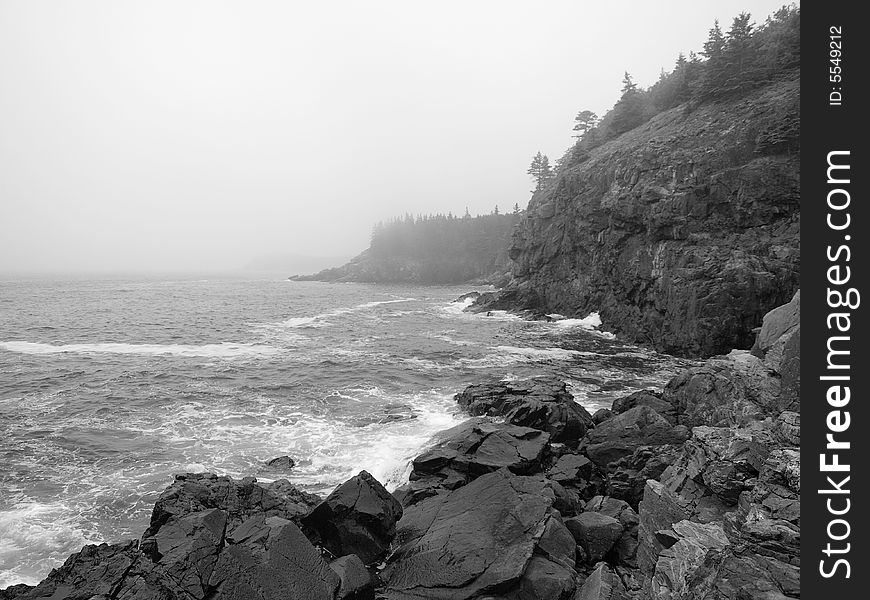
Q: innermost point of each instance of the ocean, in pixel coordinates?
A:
(110, 386)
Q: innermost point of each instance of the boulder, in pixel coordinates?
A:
(787, 428)
(620, 436)
(356, 581)
(624, 552)
(281, 463)
(677, 565)
(777, 328)
(240, 499)
(736, 389)
(602, 584)
(571, 468)
(543, 404)
(601, 415)
(595, 532)
(497, 535)
(650, 398)
(471, 449)
(358, 517)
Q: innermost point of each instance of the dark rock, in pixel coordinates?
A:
(602, 584)
(736, 389)
(624, 552)
(480, 540)
(623, 434)
(356, 581)
(272, 560)
(282, 463)
(571, 468)
(649, 398)
(242, 499)
(358, 517)
(628, 475)
(13, 592)
(543, 404)
(197, 557)
(601, 415)
(596, 532)
(472, 449)
(658, 511)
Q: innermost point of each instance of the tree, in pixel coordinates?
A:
(516, 208)
(540, 168)
(495, 210)
(628, 111)
(584, 121)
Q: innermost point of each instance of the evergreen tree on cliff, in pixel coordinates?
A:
(584, 121)
(628, 112)
(540, 169)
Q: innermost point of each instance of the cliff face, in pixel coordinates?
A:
(682, 233)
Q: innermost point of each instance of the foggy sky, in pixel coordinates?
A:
(200, 135)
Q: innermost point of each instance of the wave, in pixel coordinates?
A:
(222, 350)
(32, 530)
(322, 320)
(456, 307)
(511, 355)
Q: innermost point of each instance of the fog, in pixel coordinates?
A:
(211, 136)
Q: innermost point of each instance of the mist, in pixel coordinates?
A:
(212, 136)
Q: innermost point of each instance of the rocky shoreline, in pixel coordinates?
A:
(690, 492)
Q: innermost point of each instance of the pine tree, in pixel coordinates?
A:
(628, 112)
(540, 168)
(584, 121)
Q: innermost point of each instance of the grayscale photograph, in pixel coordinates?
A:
(483, 300)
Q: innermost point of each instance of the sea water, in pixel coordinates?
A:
(110, 386)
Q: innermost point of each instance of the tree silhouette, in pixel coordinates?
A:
(540, 169)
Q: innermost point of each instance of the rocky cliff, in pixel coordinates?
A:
(682, 233)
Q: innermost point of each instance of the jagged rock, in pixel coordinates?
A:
(602, 584)
(13, 592)
(543, 404)
(736, 389)
(480, 539)
(356, 581)
(787, 428)
(595, 532)
(776, 329)
(677, 566)
(358, 517)
(628, 475)
(624, 552)
(195, 556)
(623, 434)
(571, 468)
(472, 449)
(649, 398)
(790, 368)
(658, 512)
(194, 492)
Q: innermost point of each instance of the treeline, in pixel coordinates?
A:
(447, 248)
(732, 62)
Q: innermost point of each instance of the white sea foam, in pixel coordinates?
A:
(322, 319)
(505, 356)
(39, 530)
(458, 307)
(222, 350)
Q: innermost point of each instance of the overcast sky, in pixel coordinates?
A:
(200, 135)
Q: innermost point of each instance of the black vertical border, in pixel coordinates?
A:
(826, 128)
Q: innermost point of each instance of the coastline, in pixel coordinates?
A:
(693, 482)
